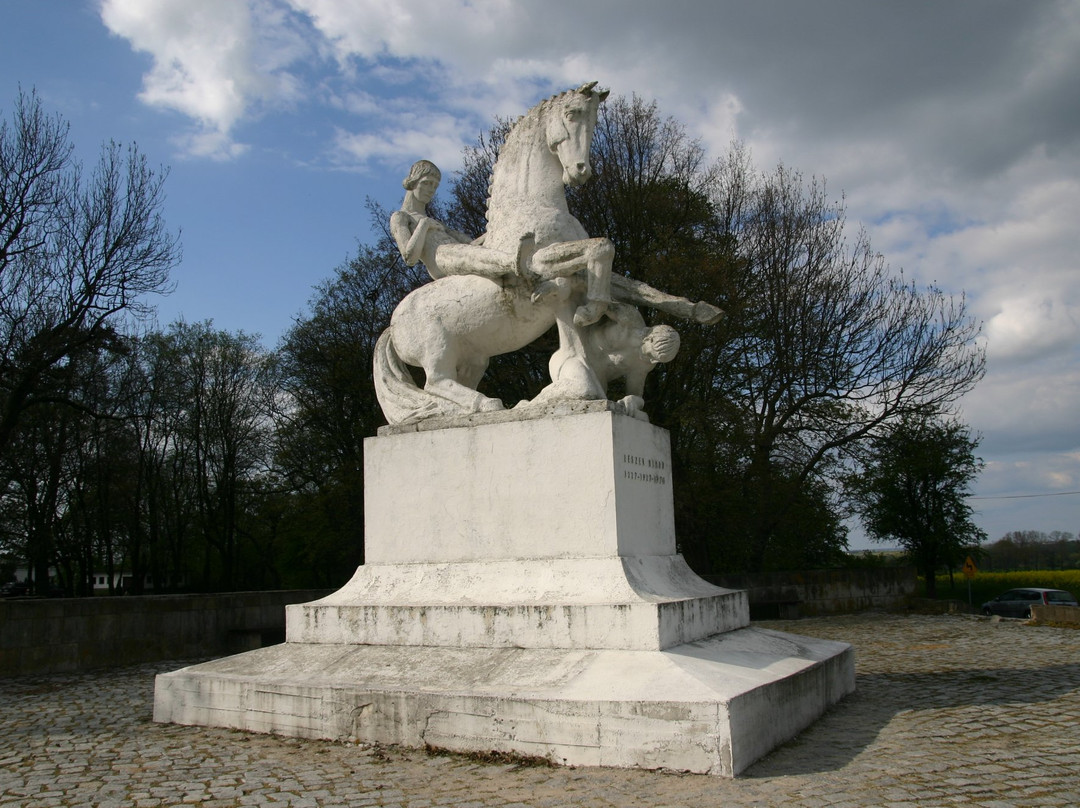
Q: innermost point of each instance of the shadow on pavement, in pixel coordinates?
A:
(855, 723)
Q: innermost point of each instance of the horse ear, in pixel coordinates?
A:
(587, 89)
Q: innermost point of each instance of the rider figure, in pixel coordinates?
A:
(443, 251)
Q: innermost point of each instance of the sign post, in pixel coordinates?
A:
(969, 572)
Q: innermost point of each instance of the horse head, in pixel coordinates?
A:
(571, 120)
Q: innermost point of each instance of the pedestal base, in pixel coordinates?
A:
(523, 594)
(712, 706)
(642, 603)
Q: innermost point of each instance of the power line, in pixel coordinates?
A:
(1031, 496)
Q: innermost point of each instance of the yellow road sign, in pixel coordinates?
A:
(969, 568)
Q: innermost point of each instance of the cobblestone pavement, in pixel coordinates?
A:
(950, 710)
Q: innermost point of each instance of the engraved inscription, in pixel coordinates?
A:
(644, 469)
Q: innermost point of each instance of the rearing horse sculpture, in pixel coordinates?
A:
(498, 297)
(454, 325)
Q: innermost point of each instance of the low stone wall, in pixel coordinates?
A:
(1064, 615)
(54, 636)
(788, 595)
(70, 634)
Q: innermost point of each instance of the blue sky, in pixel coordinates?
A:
(953, 130)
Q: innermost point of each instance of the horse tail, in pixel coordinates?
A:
(401, 399)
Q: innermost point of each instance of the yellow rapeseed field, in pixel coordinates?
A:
(986, 585)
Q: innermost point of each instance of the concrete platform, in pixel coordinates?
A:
(712, 706)
(523, 594)
(942, 717)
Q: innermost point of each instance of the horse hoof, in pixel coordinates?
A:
(491, 405)
(707, 313)
(590, 313)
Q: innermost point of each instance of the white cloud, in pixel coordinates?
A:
(1028, 407)
(952, 127)
(209, 143)
(213, 61)
(718, 121)
(1052, 472)
(1028, 493)
(1012, 243)
(443, 30)
(356, 102)
(1030, 327)
(398, 147)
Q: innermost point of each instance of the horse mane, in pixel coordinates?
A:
(525, 125)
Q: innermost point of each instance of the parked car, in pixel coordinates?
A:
(14, 589)
(1018, 602)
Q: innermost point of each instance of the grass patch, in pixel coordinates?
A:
(493, 757)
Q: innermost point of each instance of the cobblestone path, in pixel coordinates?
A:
(949, 710)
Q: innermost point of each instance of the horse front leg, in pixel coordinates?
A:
(595, 256)
(632, 291)
(599, 256)
(572, 379)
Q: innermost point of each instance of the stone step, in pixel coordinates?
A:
(641, 603)
(712, 706)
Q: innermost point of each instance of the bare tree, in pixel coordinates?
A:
(226, 385)
(828, 348)
(823, 347)
(77, 254)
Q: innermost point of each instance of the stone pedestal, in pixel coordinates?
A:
(522, 593)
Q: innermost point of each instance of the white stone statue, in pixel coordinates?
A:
(532, 600)
(534, 267)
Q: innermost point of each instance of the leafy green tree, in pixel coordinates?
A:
(1032, 550)
(102, 459)
(195, 405)
(160, 502)
(62, 471)
(36, 476)
(913, 491)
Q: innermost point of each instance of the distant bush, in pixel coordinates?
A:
(871, 560)
(986, 585)
(1032, 550)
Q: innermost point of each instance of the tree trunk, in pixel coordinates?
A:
(930, 576)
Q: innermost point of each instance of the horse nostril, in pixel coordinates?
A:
(581, 167)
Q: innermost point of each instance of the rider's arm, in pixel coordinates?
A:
(410, 241)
